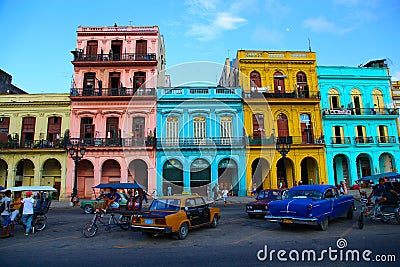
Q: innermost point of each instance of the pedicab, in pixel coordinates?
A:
(386, 211)
(118, 217)
(41, 206)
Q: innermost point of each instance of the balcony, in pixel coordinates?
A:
(360, 111)
(294, 94)
(363, 140)
(32, 144)
(386, 140)
(123, 91)
(197, 142)
(79, 56)
(339, 140)
(114, 142)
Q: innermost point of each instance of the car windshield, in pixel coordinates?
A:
(166, 204)
(313, 194)
(272, 194)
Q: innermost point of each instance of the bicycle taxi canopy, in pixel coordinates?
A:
(30, 188)
(119, 186)
(387, 175)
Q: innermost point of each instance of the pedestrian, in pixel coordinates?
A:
(6, 201)
(343, 188)
(154, 193)
(27, 213)
(15, 207)
(169, 190)
(225, 196)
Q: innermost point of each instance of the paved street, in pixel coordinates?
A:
(235, 242)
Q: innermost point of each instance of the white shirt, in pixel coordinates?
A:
(28, 205)
(6, 210)
(225, 193)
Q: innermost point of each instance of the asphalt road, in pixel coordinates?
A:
(235, 242)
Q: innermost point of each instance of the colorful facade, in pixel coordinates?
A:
(113, 105)
(281, 100)
(32, 147)
(396, 100)
(359, 124)
(200, 140)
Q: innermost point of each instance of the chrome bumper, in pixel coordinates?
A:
(154, 229)
(290, 220)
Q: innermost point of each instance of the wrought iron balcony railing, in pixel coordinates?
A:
(341, 140)
(32, 144)
(360, 111)
(295, 140)
(107, 142)
(386, 139)
(363, 140)
(193, 142)
(293, 94)
(78, 56)
(123, 91)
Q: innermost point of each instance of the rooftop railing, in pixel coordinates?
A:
(360, 111)
(78, 56)
(193, 142)
(293, 94)
(112, 142)
(123, 91)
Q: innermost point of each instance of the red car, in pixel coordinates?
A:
(258, 207)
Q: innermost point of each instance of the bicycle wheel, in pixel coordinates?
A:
(89, 230)
(39, 223)
(361, 220)
(125, 222)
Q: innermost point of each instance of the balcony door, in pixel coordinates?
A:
(141, 49)
(87, 129)
(283, 126)
(116, 47)
(28, 131)
(112, 128)
(114, 83)
(279, 82)
(54, 129)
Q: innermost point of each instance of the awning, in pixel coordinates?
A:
(387, 175)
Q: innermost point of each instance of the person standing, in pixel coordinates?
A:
(225, 196)
(6, 214)
(169, 190)
(155, 193)
(27, 213)
(15, 206)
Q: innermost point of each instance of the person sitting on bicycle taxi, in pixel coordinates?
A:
(112, 199)
(15, 209)
(381, 193)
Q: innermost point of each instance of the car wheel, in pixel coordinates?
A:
(284, 225)
(385, 219)
(125, 223)
(251, 216)
(323, 225)
(88, 209)
(214, 221)
(182, 232)
(89, 230)
(350, 212)
(361, 221)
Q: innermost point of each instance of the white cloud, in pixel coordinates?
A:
(396, 75)
(207, 23)
(321, 24)
(267, 35)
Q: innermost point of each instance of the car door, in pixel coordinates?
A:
(192, 213)
(328, 204)
(341, 203)
(203, 210)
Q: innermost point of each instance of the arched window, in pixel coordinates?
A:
(172, 130)
(279, 82)
(306, 128)
(377, 98)
(334, 99)
(302, 86)
(255, 80)
(356, 104)
(283, 125)
(258, 125)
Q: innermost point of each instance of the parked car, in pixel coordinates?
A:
(312, 205)
(259, 206)
(89, 205)
(176, 215)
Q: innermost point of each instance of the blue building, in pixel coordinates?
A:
(359, 121)
(200, 140)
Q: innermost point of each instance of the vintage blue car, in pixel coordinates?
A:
(312, 205)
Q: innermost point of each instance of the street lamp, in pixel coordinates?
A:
(76, 152)
(283, 144)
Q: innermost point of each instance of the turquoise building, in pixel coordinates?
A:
(359, 121)
(200, 140)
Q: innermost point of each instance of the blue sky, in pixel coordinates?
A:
(37, 36)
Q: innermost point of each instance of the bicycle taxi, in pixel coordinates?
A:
(386, 211)
(42, 196)
(118, 217)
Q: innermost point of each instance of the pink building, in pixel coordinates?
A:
(113, 105)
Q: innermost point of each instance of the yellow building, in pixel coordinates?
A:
(32, 150)
(281, 103)
(396, 99)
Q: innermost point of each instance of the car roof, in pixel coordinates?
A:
(180, 197)
(318, 187)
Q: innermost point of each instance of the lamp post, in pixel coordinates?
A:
(283, 144)
(76, 152)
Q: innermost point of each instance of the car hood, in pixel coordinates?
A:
(290, 207)
(260, 202)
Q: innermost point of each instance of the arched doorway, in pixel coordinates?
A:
(364, 166)
(85, 179)
(3, 173)
(309, 171)
(228, 175)
(51, 174)
(111, 172)
(200, 176)
(255, 80)
(289, 173)
(138, 172)
(25, 173)
(386, 163)
(172, 177)
(260, 174)
(279, 82)
(283, 125)
(340, 168)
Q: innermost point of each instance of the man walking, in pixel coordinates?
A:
(27, 213)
